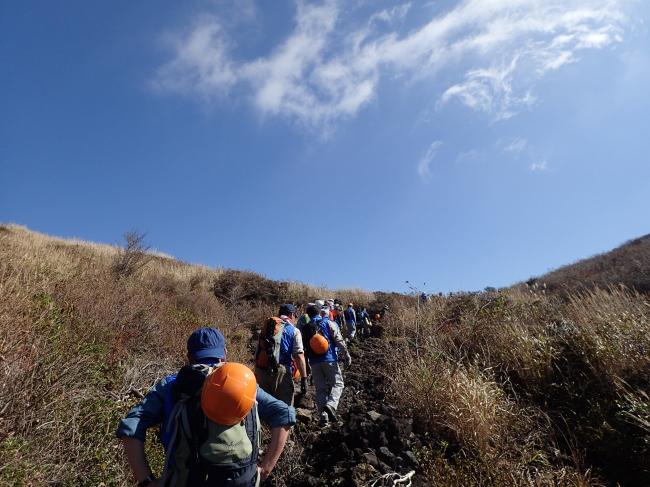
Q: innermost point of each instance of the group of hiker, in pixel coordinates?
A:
(209, 412)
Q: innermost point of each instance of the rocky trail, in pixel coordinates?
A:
(370, 444)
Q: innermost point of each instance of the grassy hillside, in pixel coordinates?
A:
(528, 389)
(81, 339)
(518, 387)
(628, 265)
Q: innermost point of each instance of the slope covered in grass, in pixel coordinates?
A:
(81, 340)
(525, 388)
(628, 265)
(518, 387)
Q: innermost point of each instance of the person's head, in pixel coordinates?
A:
(288, 310)
(325, 311)
(312, 310)
(350, 305)
(206, 345)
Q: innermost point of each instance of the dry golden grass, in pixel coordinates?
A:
(518, 387)
(524, 388)
(79, 344)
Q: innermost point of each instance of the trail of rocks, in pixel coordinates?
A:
(370, 438)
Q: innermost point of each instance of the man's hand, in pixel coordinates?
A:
(303, 385)
(263, 472)
(348, 359)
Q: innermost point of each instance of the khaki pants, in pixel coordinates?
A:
(279, 385)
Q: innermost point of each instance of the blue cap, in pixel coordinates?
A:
(287, 309)
(206, 343)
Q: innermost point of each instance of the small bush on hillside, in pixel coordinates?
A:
(236, 287)
(133, 256)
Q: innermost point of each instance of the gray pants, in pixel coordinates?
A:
(328, 381)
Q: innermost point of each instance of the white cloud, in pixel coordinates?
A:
(202, 63)
(330, 64)
(490, 90)
(470, 155)
(390, 15)
(424, 165)
(515, 146)
(539, 166)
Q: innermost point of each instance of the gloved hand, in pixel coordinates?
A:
(348, 359)
(303, 385)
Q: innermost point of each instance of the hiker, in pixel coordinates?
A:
(337, 315)
(363, 322)
(351, 320)
(384, 308)
(279, 354)
(208, 415)
(323, 340)
(304, 318)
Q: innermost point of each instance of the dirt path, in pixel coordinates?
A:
(371, 438)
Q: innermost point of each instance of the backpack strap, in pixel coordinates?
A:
(183, 425)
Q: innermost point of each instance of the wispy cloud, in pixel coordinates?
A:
(330, 64)
(539, 166)
(514, 146)
(201, 64)
(424, 165)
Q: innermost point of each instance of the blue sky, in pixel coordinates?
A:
(461, 144)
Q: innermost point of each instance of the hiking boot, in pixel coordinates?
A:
(323, 419)
(331, 414)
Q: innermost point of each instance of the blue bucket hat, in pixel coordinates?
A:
(206, 343)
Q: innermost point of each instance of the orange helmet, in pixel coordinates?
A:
(319, 344)
(228, 394)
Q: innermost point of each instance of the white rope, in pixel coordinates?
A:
(395, 478)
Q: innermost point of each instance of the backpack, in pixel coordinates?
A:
(308, 331)
(201, 452)
(268, 345)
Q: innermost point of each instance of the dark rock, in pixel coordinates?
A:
(383, 468)
(387, 456)
(345, 451)
(383, 441)
(375, 416)
(371, 459)
(303, 415)
(412, 459)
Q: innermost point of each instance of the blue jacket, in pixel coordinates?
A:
(156, 406)
(350, 315)
(331, 354)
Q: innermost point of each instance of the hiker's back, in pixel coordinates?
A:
(274, 365)
(202, 452)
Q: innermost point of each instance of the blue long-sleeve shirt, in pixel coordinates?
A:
(152, 411)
